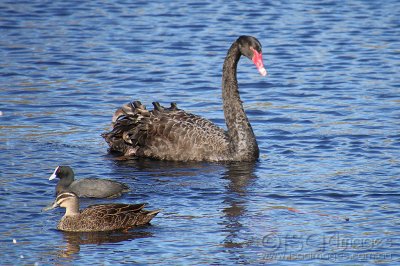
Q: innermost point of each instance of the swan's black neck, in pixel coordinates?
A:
(242, 139)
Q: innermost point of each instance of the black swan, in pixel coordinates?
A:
(173, 134)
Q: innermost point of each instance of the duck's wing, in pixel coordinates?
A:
(116, 216)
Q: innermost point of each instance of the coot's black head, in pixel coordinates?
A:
(62, 172)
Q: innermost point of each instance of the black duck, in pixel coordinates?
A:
(99, 217)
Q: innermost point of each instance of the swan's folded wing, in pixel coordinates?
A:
(166, 133)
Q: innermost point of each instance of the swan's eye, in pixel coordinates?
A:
(258, 50)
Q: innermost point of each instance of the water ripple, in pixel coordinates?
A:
(326, 120)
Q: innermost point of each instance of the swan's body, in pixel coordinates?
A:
(173, 134)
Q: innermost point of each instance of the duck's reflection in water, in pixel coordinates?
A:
(240, 176)
(74, 240)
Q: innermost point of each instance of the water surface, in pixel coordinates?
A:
(326, 187)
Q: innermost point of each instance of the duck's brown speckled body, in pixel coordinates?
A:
(173, 134)
(100, 217)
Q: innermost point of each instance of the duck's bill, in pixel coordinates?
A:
(51, 206)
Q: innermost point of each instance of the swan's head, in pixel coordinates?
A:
(251, 48)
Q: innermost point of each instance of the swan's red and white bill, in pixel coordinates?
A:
(258, 61)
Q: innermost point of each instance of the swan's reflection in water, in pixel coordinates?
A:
(151, 167)
(74, 240)
(233, 191)
(240, 176)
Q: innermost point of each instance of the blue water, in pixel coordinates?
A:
(326, 187)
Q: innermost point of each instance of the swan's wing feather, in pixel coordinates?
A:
(165, 133)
